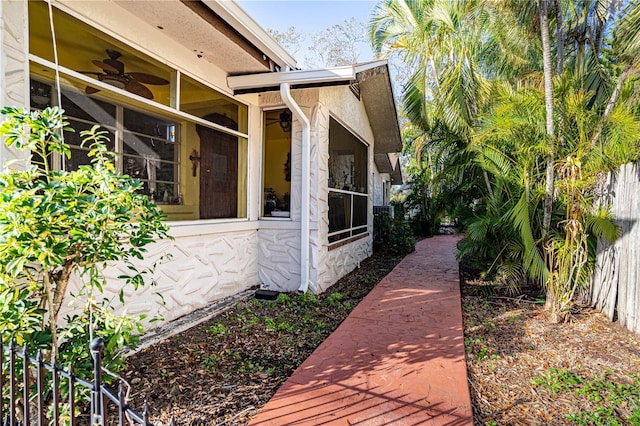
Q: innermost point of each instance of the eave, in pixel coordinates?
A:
(372, 82)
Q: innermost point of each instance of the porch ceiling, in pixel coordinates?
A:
(219, 32)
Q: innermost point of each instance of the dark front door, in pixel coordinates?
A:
(219, 170)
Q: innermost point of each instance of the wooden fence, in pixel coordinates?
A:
(615, 286)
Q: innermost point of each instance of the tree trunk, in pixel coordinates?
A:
(548, 96)
(559, 37)
(612, 101)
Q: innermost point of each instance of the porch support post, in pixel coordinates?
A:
(285, 93)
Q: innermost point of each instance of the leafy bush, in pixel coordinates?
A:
(59, 224)
(395, 234)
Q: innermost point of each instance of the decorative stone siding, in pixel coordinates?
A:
(279, 256)
(279, 259)
(332, 265)
(13, 63)
(341, 261)
(202, 269)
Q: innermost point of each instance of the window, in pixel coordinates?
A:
(276, 163)
(185, 141)
(147, 146)
(348, 200)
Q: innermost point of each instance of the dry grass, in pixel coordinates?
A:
(521, 366)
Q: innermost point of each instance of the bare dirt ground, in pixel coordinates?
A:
(522, 369)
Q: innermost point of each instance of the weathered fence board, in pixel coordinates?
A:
(615, 286)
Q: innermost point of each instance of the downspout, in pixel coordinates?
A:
(285, 93)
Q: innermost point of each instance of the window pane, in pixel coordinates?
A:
(223, 174)
(348, 160)
(79, 105)
(339, 211)
(143, 146)
(208, 104)
(277, 164)
(95, 54)
(359, 210)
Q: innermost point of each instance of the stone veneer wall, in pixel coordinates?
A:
(14, 75)
(202, 268)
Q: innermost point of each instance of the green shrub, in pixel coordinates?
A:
(57, 224)
(394, 235)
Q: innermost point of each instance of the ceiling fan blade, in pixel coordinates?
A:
(147, 78)
(138, 89)
(91, 90)
(105, 67)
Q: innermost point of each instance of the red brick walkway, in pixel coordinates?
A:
(398, 359)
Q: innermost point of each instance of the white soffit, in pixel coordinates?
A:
(221, 40)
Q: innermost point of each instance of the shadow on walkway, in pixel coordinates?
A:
(398, 359)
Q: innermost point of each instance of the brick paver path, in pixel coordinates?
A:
(398, 359)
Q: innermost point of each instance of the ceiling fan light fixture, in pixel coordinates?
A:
(285, 121)
(115, 82)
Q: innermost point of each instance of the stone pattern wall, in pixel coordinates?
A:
(279, 246)
(333, 265)
(339, 262)
(201, 270)
(279, 259)
(14, 64)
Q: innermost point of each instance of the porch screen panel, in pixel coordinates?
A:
(348, 186)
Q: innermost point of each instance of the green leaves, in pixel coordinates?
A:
(57, 223)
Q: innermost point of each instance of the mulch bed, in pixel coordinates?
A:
(524, 370)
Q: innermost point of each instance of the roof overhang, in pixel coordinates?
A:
(396, 175)
(252, 31)
(218, 31)
(371, 80)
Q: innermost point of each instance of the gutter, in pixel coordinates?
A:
(285, 92)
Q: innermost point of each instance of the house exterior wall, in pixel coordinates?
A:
(332, 264)
(203, 267)
(212, 259)
(14, 75)
(279, 240)
(380, 185)
(209, 259)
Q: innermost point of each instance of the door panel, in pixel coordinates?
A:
(219, 170)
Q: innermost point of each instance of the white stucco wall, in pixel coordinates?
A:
(14, 75)
(207, 263)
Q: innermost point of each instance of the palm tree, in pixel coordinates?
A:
(521, 120)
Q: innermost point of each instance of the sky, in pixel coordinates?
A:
(308, 16)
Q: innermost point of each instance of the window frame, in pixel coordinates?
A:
(41, 69)
(263, 132)
(350, 231)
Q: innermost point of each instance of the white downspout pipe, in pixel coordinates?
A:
(285, 93)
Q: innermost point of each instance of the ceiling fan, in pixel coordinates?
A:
(284, 120)
(113, 74)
